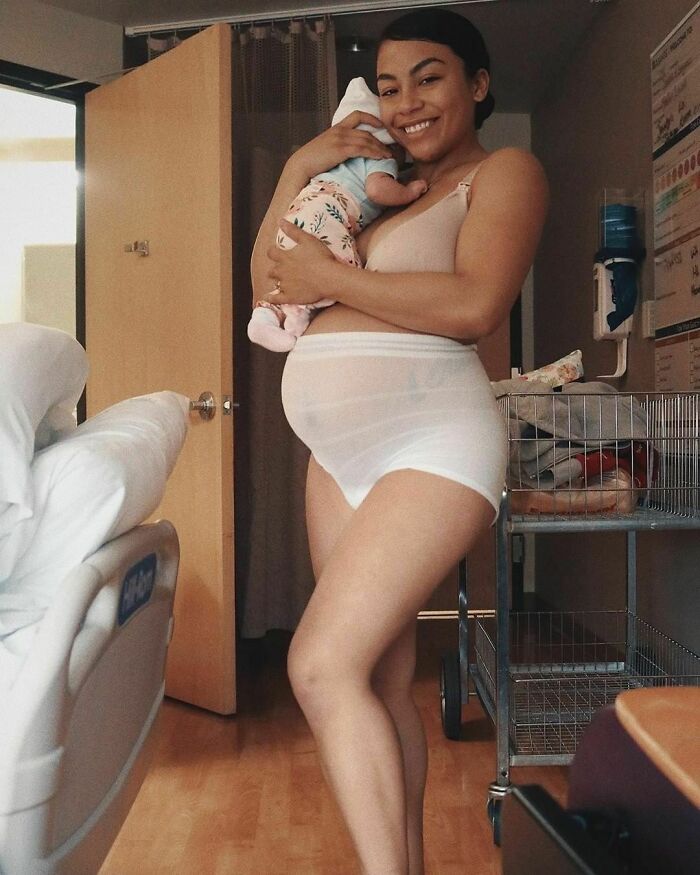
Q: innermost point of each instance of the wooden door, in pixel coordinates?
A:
(158, 168)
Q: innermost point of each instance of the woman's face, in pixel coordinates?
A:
(425, 99)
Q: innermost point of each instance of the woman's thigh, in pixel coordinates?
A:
(387, 558)
(327, 514)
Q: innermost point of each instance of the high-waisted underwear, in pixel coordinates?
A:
(367, 403)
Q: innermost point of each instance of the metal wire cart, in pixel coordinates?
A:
(578, 462)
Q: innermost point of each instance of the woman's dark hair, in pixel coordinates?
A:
(438, 25)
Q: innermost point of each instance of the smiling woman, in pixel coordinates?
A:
(466, 44)
(408, 448)
(423, 97)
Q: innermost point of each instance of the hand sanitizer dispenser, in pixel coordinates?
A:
(615, 269)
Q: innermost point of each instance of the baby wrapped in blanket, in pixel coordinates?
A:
(335, 206)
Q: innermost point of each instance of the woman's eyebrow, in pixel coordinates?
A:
(418, 66)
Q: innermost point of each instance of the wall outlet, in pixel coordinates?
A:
(648, 318)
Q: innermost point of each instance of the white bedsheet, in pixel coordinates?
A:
(94, 484)
(42, 375)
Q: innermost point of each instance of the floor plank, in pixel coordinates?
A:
(244, 795)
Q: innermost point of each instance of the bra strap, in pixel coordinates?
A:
(467, 181)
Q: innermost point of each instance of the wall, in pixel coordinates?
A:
(40, 36)
(514, 129)
(593, 129)
(48, 285)
(38, 194)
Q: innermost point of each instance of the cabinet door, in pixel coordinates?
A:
(158, 168)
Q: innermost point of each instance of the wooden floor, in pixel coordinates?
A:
(244, 795)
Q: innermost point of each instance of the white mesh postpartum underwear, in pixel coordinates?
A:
(367, 403)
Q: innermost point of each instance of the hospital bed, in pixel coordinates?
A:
(77, 726)
(86, 601)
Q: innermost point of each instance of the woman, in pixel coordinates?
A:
(385, 387)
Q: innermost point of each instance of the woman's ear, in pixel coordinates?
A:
(480, 85)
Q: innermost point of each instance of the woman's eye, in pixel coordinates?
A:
(391, 91)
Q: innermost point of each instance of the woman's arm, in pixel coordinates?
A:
(290, 183)
(495, 249)
(337, 143)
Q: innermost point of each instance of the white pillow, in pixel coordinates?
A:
(42, 375)
(106, 477)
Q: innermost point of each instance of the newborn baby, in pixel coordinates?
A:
(335, 206)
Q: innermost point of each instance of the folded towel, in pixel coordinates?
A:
(548, 430)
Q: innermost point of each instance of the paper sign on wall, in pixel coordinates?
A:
(675, 87)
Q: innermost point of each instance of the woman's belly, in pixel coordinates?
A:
(339, 317)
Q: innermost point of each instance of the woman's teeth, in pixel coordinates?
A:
(412, 129)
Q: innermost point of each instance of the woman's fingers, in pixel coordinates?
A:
(365, 144)
(358, 117)
(340, 142)
(294, 232)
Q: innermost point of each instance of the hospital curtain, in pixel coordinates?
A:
(284, 94)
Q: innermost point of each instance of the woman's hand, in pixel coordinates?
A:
(338, 143)
(300, 272)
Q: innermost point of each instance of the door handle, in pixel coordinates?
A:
(206, 405)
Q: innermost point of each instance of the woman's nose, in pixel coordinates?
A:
(409, 101)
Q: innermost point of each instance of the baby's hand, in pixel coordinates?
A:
(386, 191)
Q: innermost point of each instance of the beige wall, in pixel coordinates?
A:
(50, 39)
(514, 129)
(593, 130)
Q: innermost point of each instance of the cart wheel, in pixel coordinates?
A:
(493, 810)
(451, 696)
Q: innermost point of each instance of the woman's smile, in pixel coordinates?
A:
(418, 127)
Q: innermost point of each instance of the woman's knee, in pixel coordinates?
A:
(301, 668)
(315, 669)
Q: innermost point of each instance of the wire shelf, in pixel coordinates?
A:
(564, 666)
(602, 455)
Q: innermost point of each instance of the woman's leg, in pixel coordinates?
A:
(327, 513)
(390, 555)
(392, 681)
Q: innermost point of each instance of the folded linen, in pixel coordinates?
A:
(563, 370)
(548, 430)
(611, 492)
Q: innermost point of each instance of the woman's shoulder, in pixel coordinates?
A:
(510, 168)
(510, 159)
